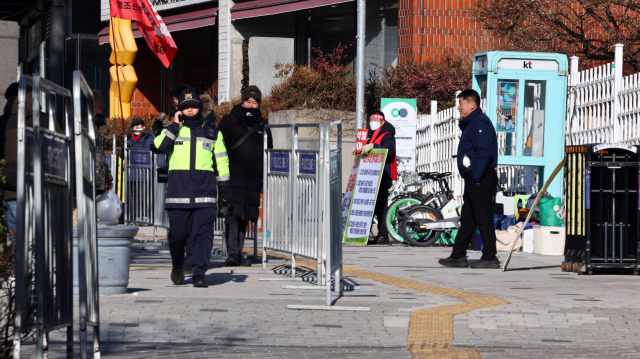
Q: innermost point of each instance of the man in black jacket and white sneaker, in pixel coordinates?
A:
(243, 131)
(477, 160)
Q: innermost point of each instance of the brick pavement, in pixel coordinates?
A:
(538, 311)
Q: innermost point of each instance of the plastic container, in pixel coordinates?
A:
(548, 240)
(114, 257)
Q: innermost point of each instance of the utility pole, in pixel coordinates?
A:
(56, 52)
(362, 18)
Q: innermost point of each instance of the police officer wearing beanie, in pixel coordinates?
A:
(198, 163)
(243, 131)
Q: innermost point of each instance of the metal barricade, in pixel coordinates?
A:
(88, 308)
(111, 159)
(293, 199)
(44, 261)
(307, 207)
(279, 191)
(160, 215)
(332, 205)
(139, 177)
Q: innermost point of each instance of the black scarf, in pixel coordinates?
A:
(194, 121)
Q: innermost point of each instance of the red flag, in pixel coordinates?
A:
(150, 24)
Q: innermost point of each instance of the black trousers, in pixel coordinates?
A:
(382, 205)
(476, 212)
(235, 229)
(191, 230)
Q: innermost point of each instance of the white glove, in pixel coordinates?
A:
(366, 149)
(466, 161)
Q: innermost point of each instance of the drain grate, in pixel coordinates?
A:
(214, 310)
(148, 301)
(556, 341)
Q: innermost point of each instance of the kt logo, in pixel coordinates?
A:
(527, 65)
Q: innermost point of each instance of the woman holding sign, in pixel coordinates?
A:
(382, 135)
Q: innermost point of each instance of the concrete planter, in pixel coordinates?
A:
(114, 256)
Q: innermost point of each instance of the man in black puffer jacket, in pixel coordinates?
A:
(477, 161)
(246, 166)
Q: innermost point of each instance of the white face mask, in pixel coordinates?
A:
(375, 125)
(137, 131)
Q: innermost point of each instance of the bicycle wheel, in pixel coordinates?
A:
(391, 216)
(410, 231)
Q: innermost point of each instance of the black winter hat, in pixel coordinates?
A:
(252, 91)
(136, 121)
(11, 91)
(189, 98)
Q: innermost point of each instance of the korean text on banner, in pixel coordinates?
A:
(153, 29)
(402, 113)
(363, 197)
(361, 139)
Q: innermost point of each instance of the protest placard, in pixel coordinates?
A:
(360, 197)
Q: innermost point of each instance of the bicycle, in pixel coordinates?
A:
(401, 197)
(423, 225)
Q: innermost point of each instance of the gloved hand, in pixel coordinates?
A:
(366, 149)
(157, 125)
(154, 149)
(466, 161)
(224, 199)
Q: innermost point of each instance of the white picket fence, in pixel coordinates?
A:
(602, 106)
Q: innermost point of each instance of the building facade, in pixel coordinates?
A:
(225, 45)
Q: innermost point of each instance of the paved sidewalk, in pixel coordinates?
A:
(532, 311)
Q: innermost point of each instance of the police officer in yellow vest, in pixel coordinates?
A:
(198, 163)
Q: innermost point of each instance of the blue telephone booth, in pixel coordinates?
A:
(526, 96)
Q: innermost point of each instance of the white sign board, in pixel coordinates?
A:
(402, 113)
(520, 64)
(362, 200)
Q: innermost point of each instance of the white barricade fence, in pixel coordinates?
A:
(303, 200)
(88, 290)
(144, 196)
(139, 179)
(112, 160)
(307, 197)
(44, 233)
(331, 190)
(160, 215)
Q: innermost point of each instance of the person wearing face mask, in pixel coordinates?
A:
(136, 183)
(243, 130)
(138, 139)
(198, 168)
(382, 135)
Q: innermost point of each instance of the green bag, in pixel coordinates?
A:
(551, 212)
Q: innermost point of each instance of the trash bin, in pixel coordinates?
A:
(114, 256)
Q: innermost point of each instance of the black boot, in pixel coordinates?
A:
(382, 239)
(490, 263)
(244, 262)
(453, 262)
(177, 275)
(233, 260)
(199, 281)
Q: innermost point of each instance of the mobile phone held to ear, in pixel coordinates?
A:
(180, 118)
